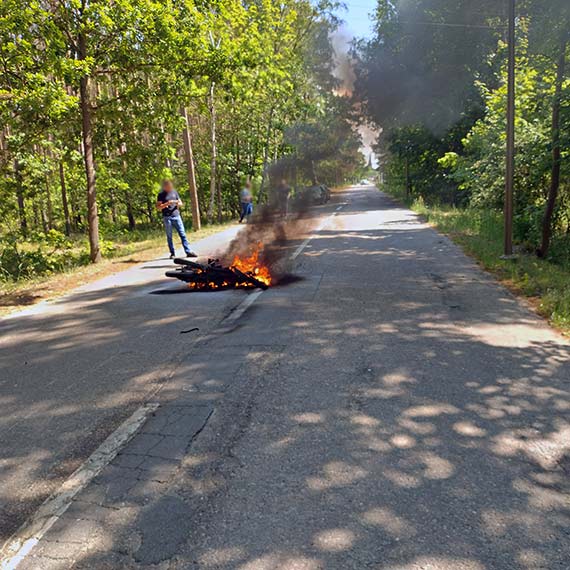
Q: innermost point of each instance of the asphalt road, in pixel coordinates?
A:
(396, 409)
(74, 369)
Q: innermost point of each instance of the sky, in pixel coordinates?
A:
(357, 17)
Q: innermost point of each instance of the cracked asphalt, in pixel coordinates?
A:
(395, 409)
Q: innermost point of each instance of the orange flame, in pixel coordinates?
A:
(253, 265)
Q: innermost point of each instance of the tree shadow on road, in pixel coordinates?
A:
(395, 410)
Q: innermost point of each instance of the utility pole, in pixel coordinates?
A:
(510, 171)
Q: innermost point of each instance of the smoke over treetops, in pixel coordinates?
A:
(421, 65)
(344, 72)
(343, 63)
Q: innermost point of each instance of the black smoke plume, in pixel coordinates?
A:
(275, 232)
(422, 64)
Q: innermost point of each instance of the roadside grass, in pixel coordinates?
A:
(480, 234)
(127, 249)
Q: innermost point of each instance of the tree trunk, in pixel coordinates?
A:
(213, 163)
(64, 202)
(264, 173)
(220, 203)
(113, 200)
(408, 180)
(47, 156)
(556, 151)
(20, 198)
(74, 210)
(45, 223)
(130, 214)
(237, 181)
(88, 155)
(48, 203)
(127, 193)
(314, 174)
(112, 195)
(191, 172)
(37, 217)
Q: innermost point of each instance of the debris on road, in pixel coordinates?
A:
(243, 273)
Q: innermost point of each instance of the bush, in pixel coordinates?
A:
(527, 227)
(47, 253)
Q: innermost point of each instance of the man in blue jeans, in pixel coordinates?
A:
(246, 202)
(169, 202)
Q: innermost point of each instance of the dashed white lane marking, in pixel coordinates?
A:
(320, 227)
(243, 306)
(303, 245)
(252, 297)
(32, 531)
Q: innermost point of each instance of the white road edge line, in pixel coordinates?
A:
(32, 531)
(252, 297)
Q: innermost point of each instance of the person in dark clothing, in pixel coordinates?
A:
(246, 202)
(168, 202)
(283, 191)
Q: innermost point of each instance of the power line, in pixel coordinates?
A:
(529, 14)
(452, 25)
(434, 24)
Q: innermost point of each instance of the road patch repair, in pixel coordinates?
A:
(48, 514)
(147, 449)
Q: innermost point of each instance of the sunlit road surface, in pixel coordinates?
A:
(394, 410)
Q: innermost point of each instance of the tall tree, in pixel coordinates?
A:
(556, 146)
(191, 172)
(88, 88)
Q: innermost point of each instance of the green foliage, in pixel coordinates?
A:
(271, 64)
(434, 78)
(43, 255)
(418, 69)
